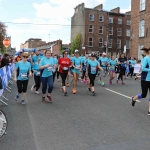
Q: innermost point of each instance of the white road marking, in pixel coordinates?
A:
(120, 94)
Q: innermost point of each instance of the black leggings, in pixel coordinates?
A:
(120, 76)
(63, 77)
(92, 78)
(145, 85)
(58, 74)
(131, 71)
(83, 74)
(22, 86)
(37, 80)
(54, 74)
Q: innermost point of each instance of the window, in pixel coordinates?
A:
(142, 5)
(91, 17)
(110, 20)
(101, 18)
(140, 57)
(127, 32)
(101, 42)
(100, 30)
(90, 42)
(127, 44)
(118, 43)
(110, 30)
(110, 43)
(142, 28)
(119, 31)
(128, 22)
(91, 28)
(119, 21)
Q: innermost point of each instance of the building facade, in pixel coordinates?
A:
(102, 29)
(32, 43)
(140, 26)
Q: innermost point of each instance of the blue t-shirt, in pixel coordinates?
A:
(77, 62)
(46, 72)
(23, 69)
(92, 66)
(146, 69)
(35, 58)
(55, 60)
(131, 63)
(112, 64)
(103, 61)
(37, 69)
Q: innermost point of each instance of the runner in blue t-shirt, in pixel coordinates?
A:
(131, 63)
(21, 73)
(76, 63)
(91, 71)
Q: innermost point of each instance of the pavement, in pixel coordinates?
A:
(106, 121)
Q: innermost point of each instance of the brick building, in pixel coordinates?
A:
(32, 43)
(99, 28)
(140, 26)
(54, 46)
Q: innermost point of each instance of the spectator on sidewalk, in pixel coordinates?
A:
(5, 60)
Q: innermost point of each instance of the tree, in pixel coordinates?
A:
(2, 37)
(76, 44)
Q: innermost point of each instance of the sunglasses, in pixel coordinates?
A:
(25, 56)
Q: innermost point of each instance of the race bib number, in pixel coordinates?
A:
(65, 68)
(78, 66)
(93, 69)
(3, 124)
(23, 75)
(112, 67)
(132, 65)
(38, 73)
(50, 68)
(103, 64)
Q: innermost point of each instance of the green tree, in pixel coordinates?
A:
(2, 37)
(76, 44)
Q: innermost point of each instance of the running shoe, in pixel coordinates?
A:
(23, 102)
(116, 81)
(133, 102)
(81, 80)
(49, 99)
(93, 93)
(32, 88)
(122, 83)
(87, 81)
(148, 113)
(17, 97)
(43, 99)
(74, 91)
(62, 90)
(36, 92)
(67, 84)
(110, 82)
(84, 81)
(99, 82)
(102, 83)
(65, 93)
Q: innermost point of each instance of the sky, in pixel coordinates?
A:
(46, 14)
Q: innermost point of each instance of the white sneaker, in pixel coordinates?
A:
(36, 92)
(32, 88)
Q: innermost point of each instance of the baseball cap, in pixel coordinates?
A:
(76, 51)
(104, 54)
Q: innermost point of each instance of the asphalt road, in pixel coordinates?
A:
(106, 121)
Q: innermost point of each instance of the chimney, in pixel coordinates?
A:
(99, 7)
(116, 10)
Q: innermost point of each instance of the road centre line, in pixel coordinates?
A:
(120, 94)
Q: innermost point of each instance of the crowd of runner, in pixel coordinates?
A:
(72, 69)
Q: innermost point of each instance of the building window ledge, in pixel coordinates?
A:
(142, 10)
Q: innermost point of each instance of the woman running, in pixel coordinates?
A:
(121, 67)
(112, 66)
(91, 71)
(37, 76)
(145, 79)
(76, 71)
(64, 64)
(47, 65)
(21, 72)
(131, 63)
